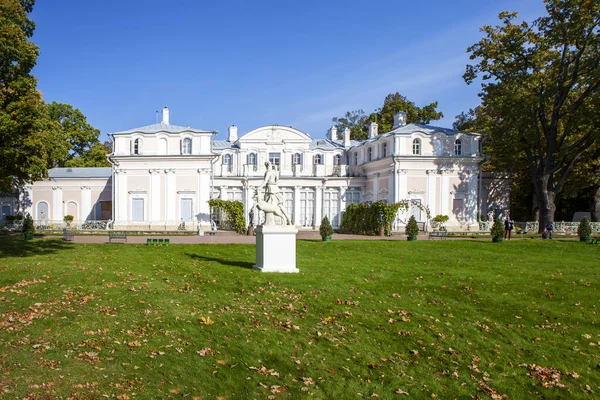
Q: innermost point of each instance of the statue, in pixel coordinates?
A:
(272, 203)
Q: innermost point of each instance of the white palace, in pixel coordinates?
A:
(163, 175)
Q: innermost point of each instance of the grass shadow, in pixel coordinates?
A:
(15, 246)
(233, 263)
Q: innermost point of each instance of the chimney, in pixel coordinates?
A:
(373, 128)
(333, 133)
(399, 119)
(165, 116)
(232, 134)
(347, 138)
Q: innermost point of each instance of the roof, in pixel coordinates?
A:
(328, 144)
(80, 173)
(155, 128)
(223, 144)
(427, 129)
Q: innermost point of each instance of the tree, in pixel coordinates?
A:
(23, 154)
(358, 122)
(540, 91)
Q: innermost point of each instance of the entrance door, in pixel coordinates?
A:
(331, 207)
(137, 209)
(186, 212)
(5, 212)
(105, 210)
(307, 208)
(415, 211)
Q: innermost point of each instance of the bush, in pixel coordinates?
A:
(497, 229)
(412, 229)
(68, 218)
(441, 219)
(584, 230)
(235, 213)
(28, 224)
(325, 229)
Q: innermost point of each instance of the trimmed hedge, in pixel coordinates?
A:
(365, 219)
(234, 211)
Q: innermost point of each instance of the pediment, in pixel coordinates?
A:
(275, 134)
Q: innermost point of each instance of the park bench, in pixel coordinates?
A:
(157, 242)
(439, 234)
(68, 236)
(117, 235)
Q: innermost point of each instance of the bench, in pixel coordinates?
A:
(117, 235)
(438, 234)
(158, 242)
(595, 241)
(68, 236)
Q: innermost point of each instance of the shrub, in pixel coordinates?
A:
(28, 224)
(325, 229)
(441, 219)
(584, 229)
(497, 229)
(412, 229)
(234, 211)
(68, 218)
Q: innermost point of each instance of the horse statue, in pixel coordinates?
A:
(270, 209)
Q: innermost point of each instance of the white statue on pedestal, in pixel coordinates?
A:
(272, 203)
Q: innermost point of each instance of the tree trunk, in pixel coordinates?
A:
(597, 205)
(546, 205)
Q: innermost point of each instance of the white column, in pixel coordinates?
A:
(57, 204)
(431, 191)
(223, 192)
(342, 203)
(154, 195)
(122, 194)
(375, 187)
(444, 193)
(471, 198)
(402, 184)
(203, 197)
(86, 204)
(318, 205)
(296, 221)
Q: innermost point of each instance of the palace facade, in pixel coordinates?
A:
(163, 175)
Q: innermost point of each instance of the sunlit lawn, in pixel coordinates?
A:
(446, 319)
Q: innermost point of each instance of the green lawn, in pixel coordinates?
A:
(445, 319)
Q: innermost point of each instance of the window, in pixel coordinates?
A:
(227, 161)
(384, 150)
(275, 158)
(331, 202)
(137, 209)
(186, 146)
(318, 159)
(297, 159)
(356, 158)
(352, 197)
(136, 146)
(417, 147)
(369, 154)
(252, 159)
(458, 147)
(337, 159)
(186, 211)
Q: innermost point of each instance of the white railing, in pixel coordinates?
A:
(569, 228)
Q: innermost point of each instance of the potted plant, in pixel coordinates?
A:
(584, 230)
(68, 219)
(28, 228)
(412, 229)
(439, 221)
(497, 231)
(325, 230)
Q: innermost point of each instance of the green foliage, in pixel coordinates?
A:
(365, 219)
(325, 229)
(584, 229)
(540, 94)
(497, 229)
(412, 229)
(356, 121)
(68, 218)
(441, 219)
(234, 211)
(12, 218)
(28, 226)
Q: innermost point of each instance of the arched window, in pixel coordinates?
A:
(186, 146)
(318, 159)
(297, 159)
(252, 159)
(356, 158)
(337, 159)
(227, 161)
(458, 147)
(136, 148)
(417, 146)
(369, 154)
(384, 149)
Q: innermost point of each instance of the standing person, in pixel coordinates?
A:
(508, 227)
(549, 228)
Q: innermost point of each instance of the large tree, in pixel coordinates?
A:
(358, 122)
(540, 84)
(23, 154)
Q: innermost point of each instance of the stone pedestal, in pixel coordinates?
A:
(276, 248)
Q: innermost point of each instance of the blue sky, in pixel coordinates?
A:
(222, 63)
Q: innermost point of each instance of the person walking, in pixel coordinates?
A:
(508, 227)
